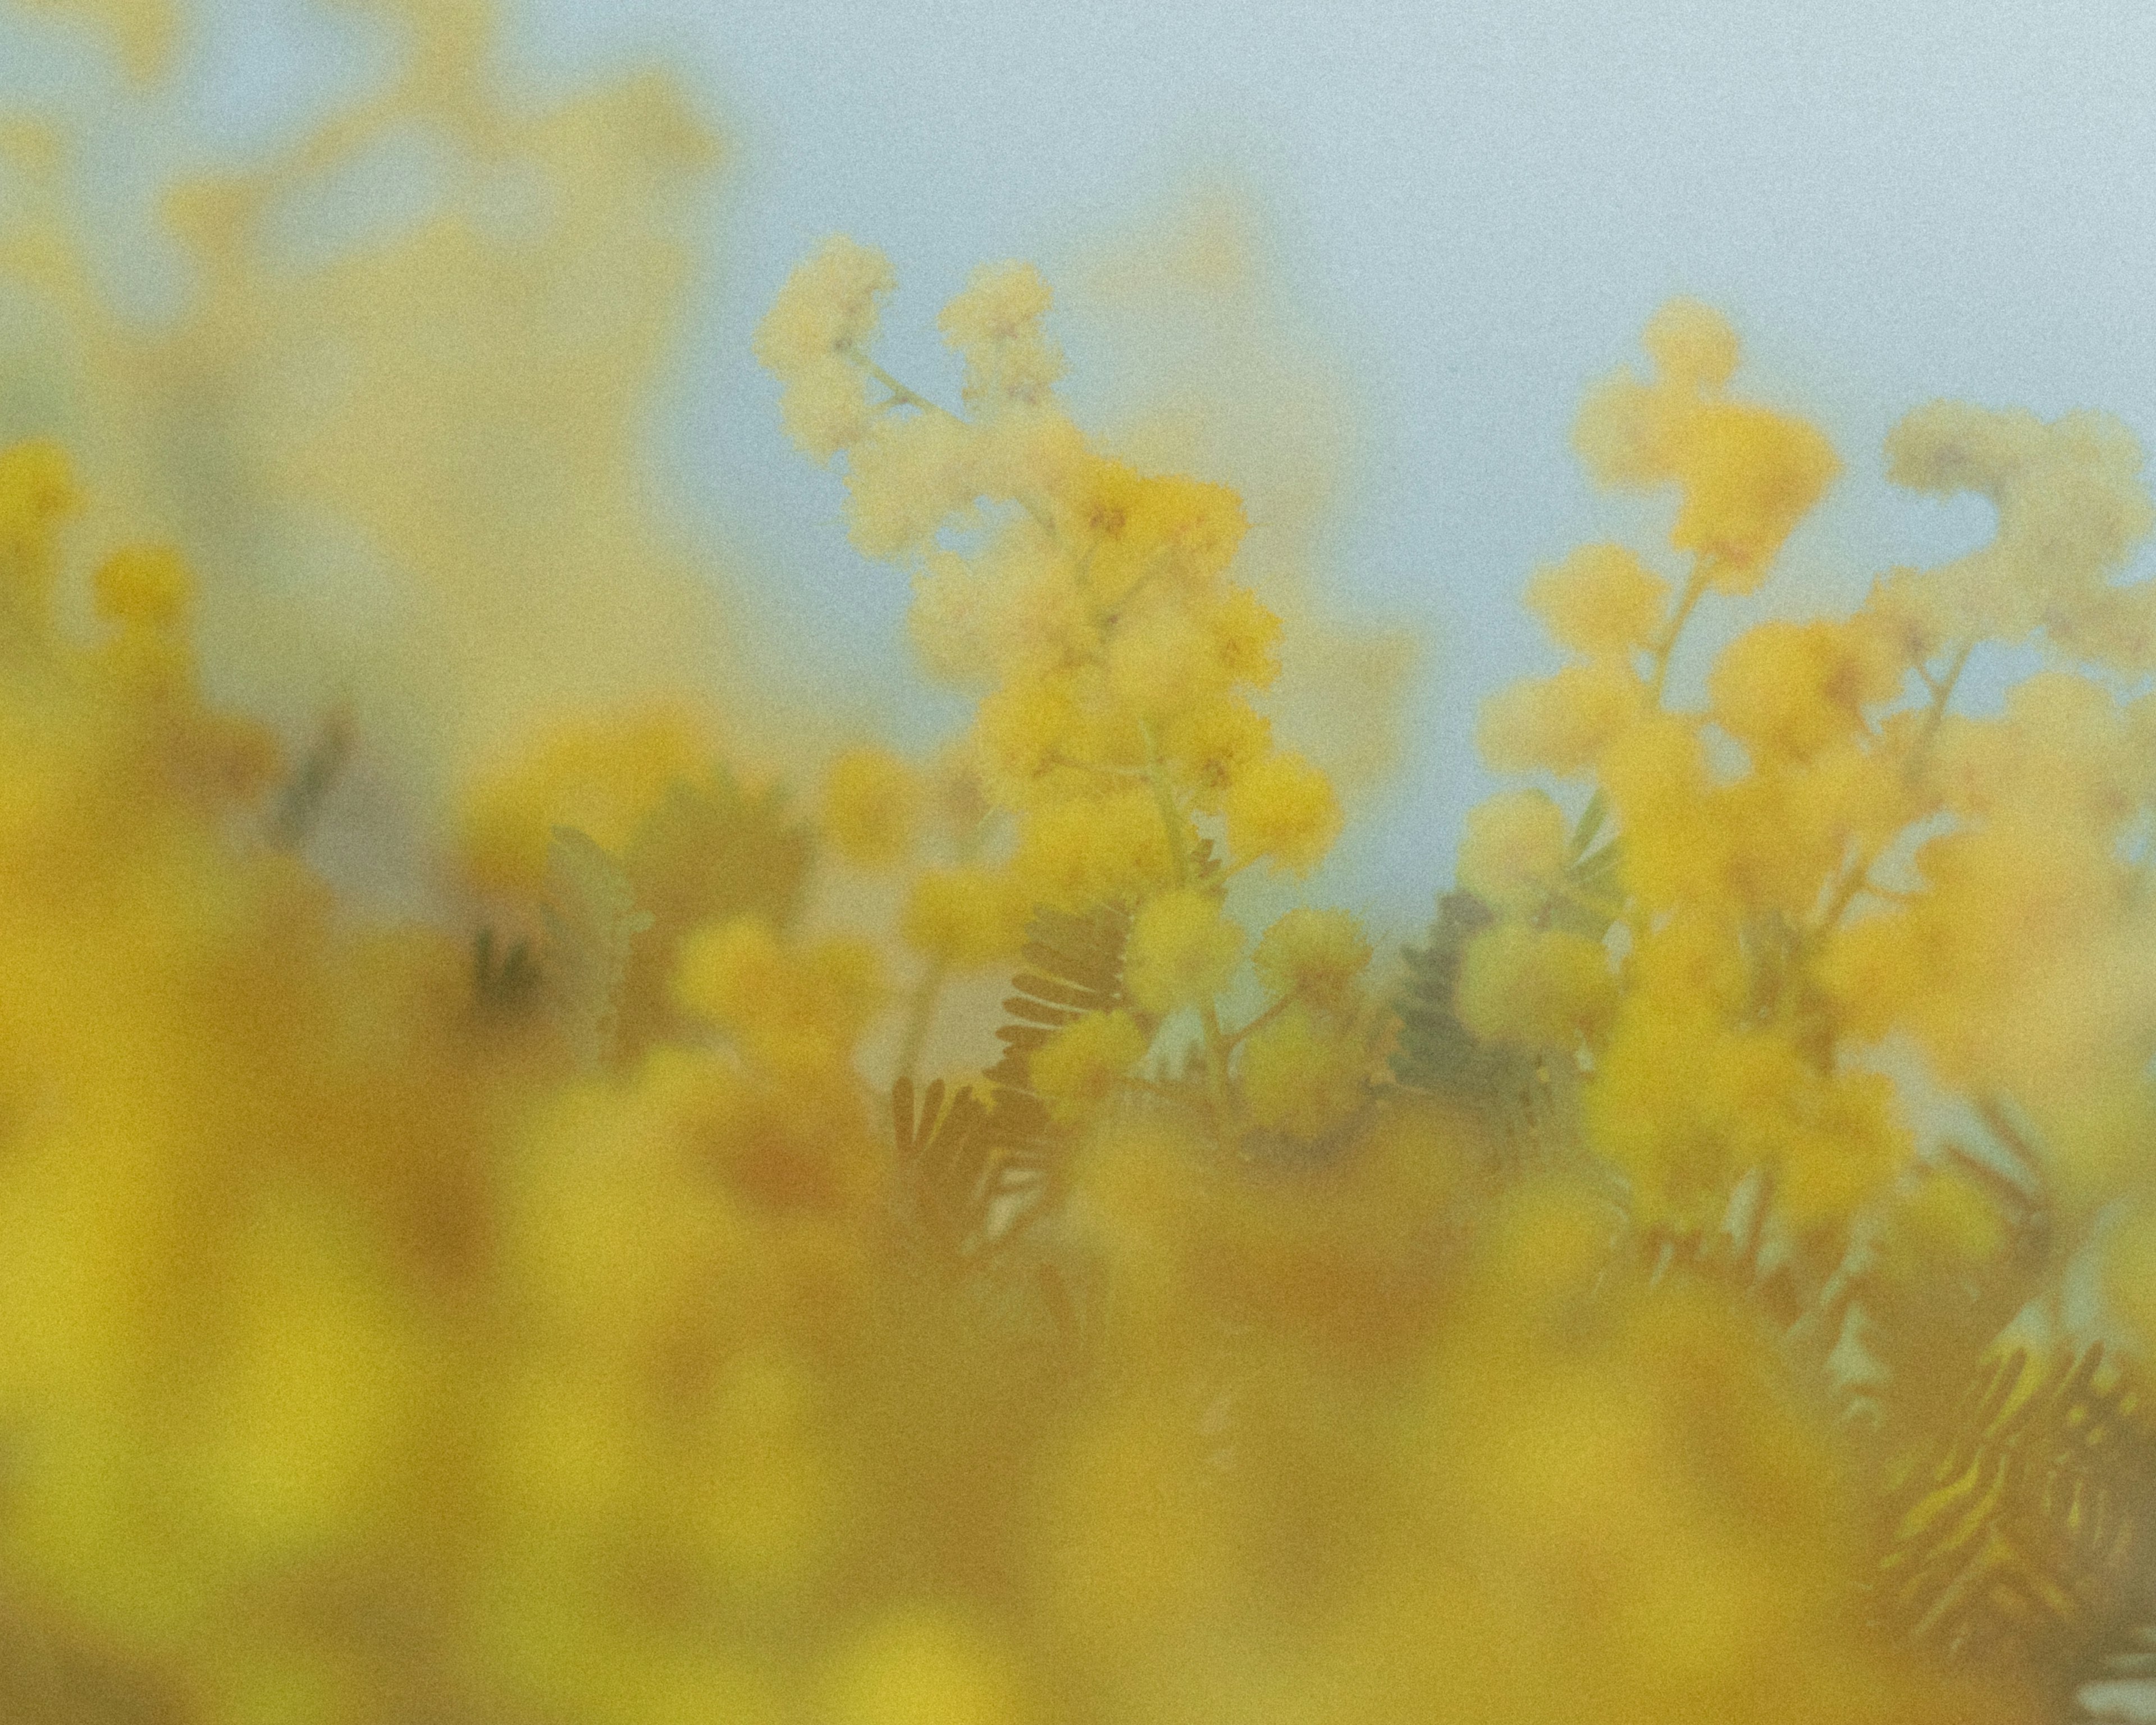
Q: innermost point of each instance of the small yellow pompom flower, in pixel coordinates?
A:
(1514, 851)
(995, 325)
(1303, 1074)
(907, 477)
(797, 1007)
(1544, 987)
(1747, 474)
(828, 307)
(1089, 850)
(603, 776)
(1077, 1071)
(1208, 746)
(1245, 638)
(1677, 842)
(1283, 807)
(1691, 345)
(871, 804)
(1795, 689)
(1316, 955)
(1025, 735)
(1101, 514)
(825, 407)
(812, 338)
(1601, 599)
(1560, 724)
(969, 918)
(1160, 663)
(1135, 529)
(1182, 950)
(1750, 475)
(148, 585)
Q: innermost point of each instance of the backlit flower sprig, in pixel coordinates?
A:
(1825, 858)
(1118, 736)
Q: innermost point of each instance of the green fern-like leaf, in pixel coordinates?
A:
(1527, 1100)
(504, 979)
(593, 920)
(1435, 1052)
(948, 1166)
(2024, 1534)
(301, 797)
(1074, 967)
(978, 1169)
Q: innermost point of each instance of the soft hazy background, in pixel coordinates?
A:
(1425, 228)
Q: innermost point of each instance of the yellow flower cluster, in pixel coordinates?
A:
(1827, 864)
(534, 1312)
(1747, 474)
(1120, 666)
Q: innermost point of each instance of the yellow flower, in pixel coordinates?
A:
(1131, 529)
(1514, 851)
(1208, 746)
(601, 775)
(1676, 845)
(1749, 1100)
(995, 323)
(1600, 600)
(1182, 950)
(952, 619)
(1084, 851)
(909, 475)
(1560, 724)
(1160, 663)
(798, 1009)
(1245, 638)
(1078, 1070)
(1316, 955)
(1025, 735)
(1747, 475)
(825, 407)
(871, 806)
(1795, 689)
(969, 918)
(1284, 808)
(1691, 345)
(828, 307)
(1302, 1075)
(1750, 475)
(1543, 988)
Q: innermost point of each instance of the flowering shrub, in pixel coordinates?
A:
(1710, 1279)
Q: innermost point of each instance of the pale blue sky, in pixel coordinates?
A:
(1473, 208)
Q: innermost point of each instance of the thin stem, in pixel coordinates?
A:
(1858, 879)
(1694, 588)
(902, 394)
(1209, 1016)
(1587, 827)
(1264, 1017)
(1935, 714)
(919, 1015)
